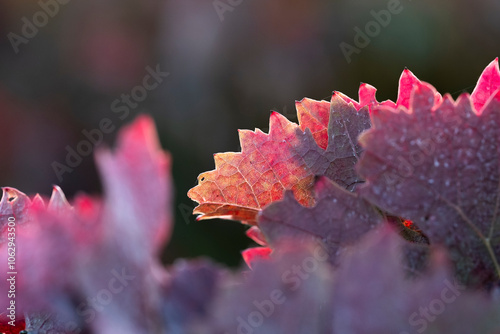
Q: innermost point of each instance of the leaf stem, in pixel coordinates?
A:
(486, 241)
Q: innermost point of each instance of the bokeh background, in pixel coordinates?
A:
(228, 68)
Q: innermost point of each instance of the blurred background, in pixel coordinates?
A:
(230, 62)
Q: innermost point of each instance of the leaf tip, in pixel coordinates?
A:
(256, 254)
(58, 200)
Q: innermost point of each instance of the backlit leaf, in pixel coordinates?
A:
(439, 166)
(287, 158)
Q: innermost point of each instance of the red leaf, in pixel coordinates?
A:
(407, 82)
(314, 115)
(438, 165)
(256, 254)
(6, 328)
(487, 85)
(243, 183)
(285, 159)
(256, 235)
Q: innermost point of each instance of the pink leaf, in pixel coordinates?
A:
(488, 83)
(256, 254)
(95, 250)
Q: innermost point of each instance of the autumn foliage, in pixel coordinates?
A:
(371, 217)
